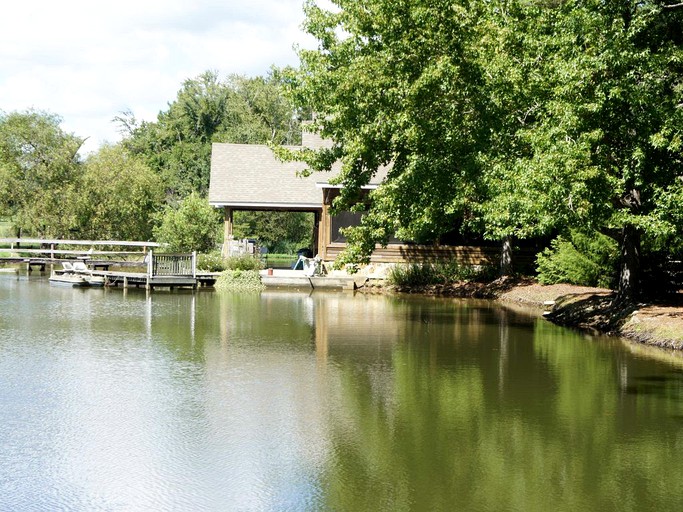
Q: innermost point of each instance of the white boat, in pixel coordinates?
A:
(76, 275)
(69, 279)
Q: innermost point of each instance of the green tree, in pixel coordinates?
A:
(607, 135)
(38, 162)
(515, 116)
(117, 198)
(280, 232)
(206, 109)
(400, 83)
(193, 225)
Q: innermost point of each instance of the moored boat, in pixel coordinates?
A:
(69, 279)
(76, 275)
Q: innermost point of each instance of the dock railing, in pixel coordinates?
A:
(171, 264)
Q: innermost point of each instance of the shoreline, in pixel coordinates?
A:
(658, 324)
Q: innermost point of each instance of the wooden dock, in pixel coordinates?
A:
(163, 270)
(51, 251)
(143, 280)
(160, 269)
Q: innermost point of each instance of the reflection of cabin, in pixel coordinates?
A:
(249, 177)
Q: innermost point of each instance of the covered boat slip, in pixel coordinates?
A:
(248, 177)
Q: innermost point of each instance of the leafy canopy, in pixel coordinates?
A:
(117, 197)
(38, 163)
(192, 225)
(511, 118)
(206, 110)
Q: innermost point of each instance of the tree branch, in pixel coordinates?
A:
(672, 6)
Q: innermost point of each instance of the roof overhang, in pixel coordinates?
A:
(266, 206)
(322, 185)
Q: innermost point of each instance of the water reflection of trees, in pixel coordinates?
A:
(433, 427)
(436, 404)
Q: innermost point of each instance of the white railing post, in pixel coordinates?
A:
(150, 257)
(194, 264)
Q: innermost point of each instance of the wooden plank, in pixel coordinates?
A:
(469, 255)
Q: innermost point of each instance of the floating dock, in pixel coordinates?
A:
(277, 278)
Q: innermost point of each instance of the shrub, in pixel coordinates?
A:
(585, 259)
(211, 262)
(193, 225)
(411, 275)
(239, 280)
(444, 273)
(243, 262)
(452, 271)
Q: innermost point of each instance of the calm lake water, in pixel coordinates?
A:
(289, 401)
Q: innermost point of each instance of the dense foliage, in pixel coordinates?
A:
(206, 110)
(239, 280)
(210, 262)
(243, 262)
(38, 164)
(579, 258)
(117, 197)
(192, 225)
(518, 117)
(417, 275)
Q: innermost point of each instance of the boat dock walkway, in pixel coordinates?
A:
(297, 279)
(153, 269)
(144, 280)
(51, 251)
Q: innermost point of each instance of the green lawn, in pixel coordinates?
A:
(280, 260)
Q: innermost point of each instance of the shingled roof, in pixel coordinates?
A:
(249, 176)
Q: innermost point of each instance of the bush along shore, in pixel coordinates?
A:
(587, 308)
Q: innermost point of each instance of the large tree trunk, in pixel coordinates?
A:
(629, 271)
(506, 257)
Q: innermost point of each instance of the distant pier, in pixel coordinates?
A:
(160, 269)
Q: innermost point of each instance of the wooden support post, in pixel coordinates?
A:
(227, 230)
